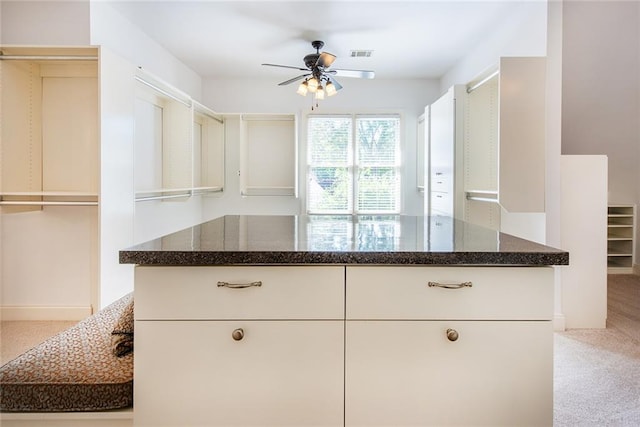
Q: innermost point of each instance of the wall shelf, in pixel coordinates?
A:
(621, 230)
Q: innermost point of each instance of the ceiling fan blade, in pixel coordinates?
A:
(286, 82)
(335, 82)
(286, 66)
(360, 74)
(325, 60)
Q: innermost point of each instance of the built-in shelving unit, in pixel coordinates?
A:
(179, 147)
(486, 146)
(49, 182)
(268, 153)
(621, 226)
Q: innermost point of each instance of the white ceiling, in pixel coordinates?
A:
(409, 39)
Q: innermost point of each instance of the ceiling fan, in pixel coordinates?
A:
(318, 78)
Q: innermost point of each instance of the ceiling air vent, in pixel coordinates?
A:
(360, 53)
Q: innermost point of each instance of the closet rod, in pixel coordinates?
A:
(164, 92)
(483, 81)
(42, 203)
(202, 109)
(483, 196)
(211, 116)
(172, 196)
(482, 199)
(49, 58)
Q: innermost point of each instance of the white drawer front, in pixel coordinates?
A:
(441, 203)
(281, 373)
(408, 373)
(164, 293)
(496, 293)
(441, 183)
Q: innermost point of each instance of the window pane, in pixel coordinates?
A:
(378, 140)
(330, 141)
(332, 162)
(329, 190)
(378, 189)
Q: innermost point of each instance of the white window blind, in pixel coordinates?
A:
(353, 164)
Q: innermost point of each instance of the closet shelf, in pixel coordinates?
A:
(621, 226)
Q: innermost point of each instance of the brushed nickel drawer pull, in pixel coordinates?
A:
(450, 285)
(239, 285)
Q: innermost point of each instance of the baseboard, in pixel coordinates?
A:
(44, 313)
(636, 269)
(622, 270)
(559, 323)
(113, 418)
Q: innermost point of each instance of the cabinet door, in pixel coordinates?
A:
(407, 373)
(281, 373)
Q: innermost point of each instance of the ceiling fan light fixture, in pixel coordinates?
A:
(317, 73)
(303, 88)
(312, 85)
(330, 88)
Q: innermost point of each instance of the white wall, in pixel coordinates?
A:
(584, 235)
(522, 34)
(553, 197)
(122, 221)
(110, 29)
(48, 23)
(408, 97)
(601, 89)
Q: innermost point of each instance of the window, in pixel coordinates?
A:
(353, 164)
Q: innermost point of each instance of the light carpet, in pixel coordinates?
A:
(597, 371)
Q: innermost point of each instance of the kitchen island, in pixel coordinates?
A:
(343, 321)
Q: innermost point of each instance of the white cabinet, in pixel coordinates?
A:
(491, 134)
(422, 138)
(448, 346)
(621, 231)
(49, 182)
(445, 119)
(343, 346)
(239, 346)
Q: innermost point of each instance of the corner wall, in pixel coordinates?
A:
(601, 90)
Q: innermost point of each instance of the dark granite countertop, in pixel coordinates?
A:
(321, 239)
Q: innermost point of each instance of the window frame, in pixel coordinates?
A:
(354, 166)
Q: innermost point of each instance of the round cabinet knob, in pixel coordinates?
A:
(237, 334)
(452, 334)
